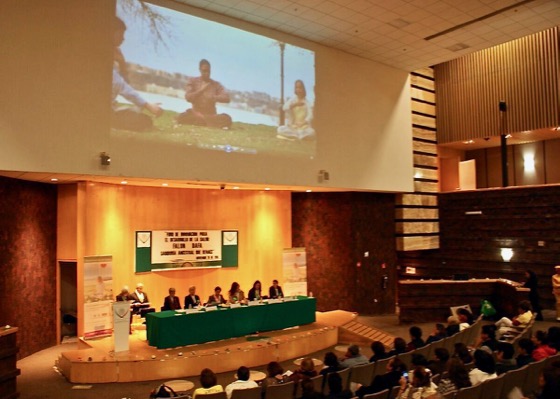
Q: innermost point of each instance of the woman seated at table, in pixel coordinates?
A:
(217, 298)
(235, 294)
(209, 384)
(255, 293)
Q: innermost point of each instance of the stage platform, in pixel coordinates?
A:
(95, 361)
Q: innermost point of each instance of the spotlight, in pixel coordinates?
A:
(105, 159)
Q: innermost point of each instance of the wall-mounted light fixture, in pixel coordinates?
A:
(105, 159)
(507, 254)
(529, 162)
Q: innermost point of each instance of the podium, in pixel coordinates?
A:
(121, 325)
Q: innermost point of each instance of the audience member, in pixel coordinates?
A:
(217, 298)
(305, 371)
(504, 358)
(549, 382)
(526, 347)
(416, 340)
(395, 369)
(461, 351)
(275, 291)
(208, 382)
(192, 300)
(553, 336)
(419, 387)
(457, 377)
(243, 381)
(466, 318)
(378, 350)
(171, 302)
(542, 349)
(308, 390)
(439, 364)
(417, 359)
(331, 364)
(255, 293)
(399, 346)
(439, 333)
(452, 325)
(485, 367)
(274, 375)
(353, 357)
(504, 325)
(336, 391)
(235, 294)
(487, 340)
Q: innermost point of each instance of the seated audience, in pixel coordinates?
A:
(419, 387)
(457, 377)
(353, 357)
(439, 333)
(504, 325)
(331, 364)
(275, 291)
(274, 375)
(439, 364)
(487, 340)
(171, 302)
(395, 369)
(553, 335)
(462, 352)
(549, 382)
(504, 358)
(466, 318)
(378, 350)
(235, 294)
(526, 347)
(452, 325)
(305, 371)
(243, 381)
(192, 300)
(416, 340)
(418, 359)
(308, 390)
(255, 293)
(217, 298)
(399, 346)
(485, 367)
(542, 349)
(208, 382)
(336, 390)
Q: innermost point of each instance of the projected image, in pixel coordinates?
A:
(184, 80)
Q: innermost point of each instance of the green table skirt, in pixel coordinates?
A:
(170, 329)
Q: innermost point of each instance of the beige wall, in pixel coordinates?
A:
(109, 215)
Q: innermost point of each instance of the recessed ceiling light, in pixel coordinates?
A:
(399, 23)
(236, 187)
(54, 179)
(164, 184)
(458, 47)
(308, 191)
(124, 182)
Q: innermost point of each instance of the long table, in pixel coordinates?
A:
(170, 329)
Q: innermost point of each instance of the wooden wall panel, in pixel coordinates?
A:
(524, 73)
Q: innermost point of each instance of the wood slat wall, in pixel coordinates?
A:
(417, 219)
(524, 73)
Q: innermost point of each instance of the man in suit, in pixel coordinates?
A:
(140, 301)
(192, 300)
(171, 302)
(122, 297)
(275, 291)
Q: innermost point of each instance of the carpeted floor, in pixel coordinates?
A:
(40, 379)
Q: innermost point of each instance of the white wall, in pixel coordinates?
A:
(54, 110)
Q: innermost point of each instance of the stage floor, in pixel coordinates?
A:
(96, 362)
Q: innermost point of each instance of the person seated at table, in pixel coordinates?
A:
(243, 381)
(208, 382)
(332, 365)
(399, 346)
(140, 301)
(274, 376)
(395, 369)
(504, 358)
(275, 291)
(353, 357)
(192, 300)
(255, 293)
(171, 302)
(235, 294)
(416, 340)
(217, 298)
(526, 348)
(336, 391)
(439, 333)
(378, 350)
(505, 325)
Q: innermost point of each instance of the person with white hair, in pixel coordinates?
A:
(140, 301)
(192, 300)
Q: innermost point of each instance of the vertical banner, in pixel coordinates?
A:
(295, 271)
(98, 296)
(121, 320)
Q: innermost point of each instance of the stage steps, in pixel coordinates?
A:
(358, 333)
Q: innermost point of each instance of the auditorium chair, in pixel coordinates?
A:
(319, 383)
(362, 374)
(248, 393)
(512, 379)
(279, 391)
(532, 379)
(492, 388)
(384, 394)
(381, 366)
(217, 395)
(470, 392)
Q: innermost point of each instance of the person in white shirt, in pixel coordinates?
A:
(485, 367)
(525, 315)
(242, 382)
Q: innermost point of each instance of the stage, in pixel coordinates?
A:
(95, 361)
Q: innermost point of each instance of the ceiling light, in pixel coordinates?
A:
(267, 188)
(164, 184)
(458, 47)
(236, 187)
(54, 179)
(507, 254)
(124, 182)
(399, 23)
(308, 191)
